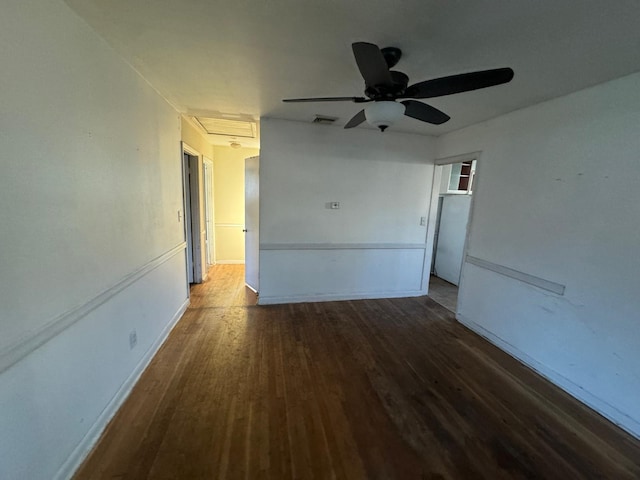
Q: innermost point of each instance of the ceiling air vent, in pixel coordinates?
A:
(324, 120)
(224, 126)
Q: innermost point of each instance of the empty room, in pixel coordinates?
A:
(330, 240)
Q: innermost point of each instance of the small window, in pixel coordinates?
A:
(461, 179)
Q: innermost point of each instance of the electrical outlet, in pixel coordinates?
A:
(133, 339)
(423, 221)
(335, 205)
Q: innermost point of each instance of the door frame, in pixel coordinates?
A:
(191, 184)
(209, 210)
(252, 230)
(436, 233)
(433, 207)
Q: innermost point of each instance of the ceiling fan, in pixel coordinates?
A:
(384, 86)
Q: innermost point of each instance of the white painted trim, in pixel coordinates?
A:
(331, 297)
(424, 288)
(465, 157)
(432, 213)
(23, 347)
(186, 212)
(477, 180)
(186, 148)
(602, 407)
(260, 222)
(433, 208)
(547, 285)
(197, 246)
(342, 246)
(252, 221)
(230, 262)
(461, 192)
(78, 455)
(210, 211)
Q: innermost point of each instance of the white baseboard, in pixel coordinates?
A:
(87, 443)
(600, 406)
(229, 262)
(332, 297)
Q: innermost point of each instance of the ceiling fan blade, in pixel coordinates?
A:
(328, 99)
(464, 82)
(356, 120)
(424, 112)
(372, 64)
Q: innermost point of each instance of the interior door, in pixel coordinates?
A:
(252, 222)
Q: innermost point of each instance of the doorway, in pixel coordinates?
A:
(209, 214)
(194, 225)
(452, 195)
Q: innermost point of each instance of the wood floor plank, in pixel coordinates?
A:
(379, 389)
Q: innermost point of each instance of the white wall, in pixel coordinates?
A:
(557, 197)
(373, 246)
(90, 184)
(451, 236)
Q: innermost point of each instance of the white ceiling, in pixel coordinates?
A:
(241, 57)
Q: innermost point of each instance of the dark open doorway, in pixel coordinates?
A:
(453, 191)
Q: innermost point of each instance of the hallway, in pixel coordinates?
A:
(351, 390)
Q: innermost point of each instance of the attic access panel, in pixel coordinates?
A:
(230, 128)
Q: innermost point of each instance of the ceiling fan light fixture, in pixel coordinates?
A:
(384, 113)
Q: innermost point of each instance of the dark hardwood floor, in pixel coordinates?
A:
(380, 389)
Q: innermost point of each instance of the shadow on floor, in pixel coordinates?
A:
(443, 292)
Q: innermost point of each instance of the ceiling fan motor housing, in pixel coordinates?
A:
(392, 91)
